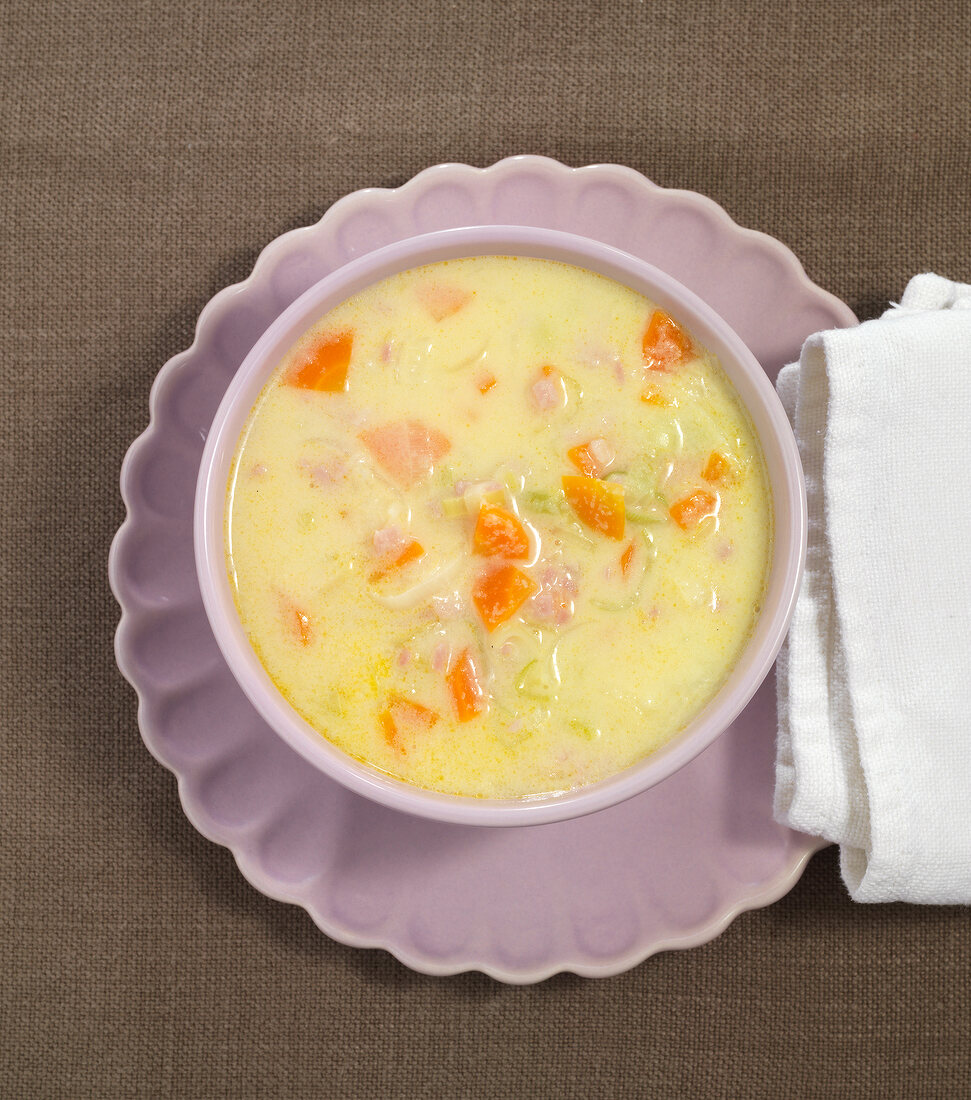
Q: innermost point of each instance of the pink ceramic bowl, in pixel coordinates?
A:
(755, 390)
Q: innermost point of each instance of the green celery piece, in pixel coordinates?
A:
(532, 682)
(581, 729)
(545, 500)
(646, 510)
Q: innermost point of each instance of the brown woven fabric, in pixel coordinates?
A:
(147, 154)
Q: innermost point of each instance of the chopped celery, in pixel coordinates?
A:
(533, 682)
(470, 359)
(581, 729)
(574, 394)
(646, 510)
(639, 478)
(545, 500)
(453, 507)
(634, 597)
(332, 704)
(445, 475)
(514, 483)
(513, 738)
(525, 673)
(618, 605)
(476, 494)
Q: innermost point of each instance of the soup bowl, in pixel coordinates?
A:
(756, 393)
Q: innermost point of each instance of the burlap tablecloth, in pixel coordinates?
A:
(148, 153)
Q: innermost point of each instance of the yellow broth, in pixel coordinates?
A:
(498, 526)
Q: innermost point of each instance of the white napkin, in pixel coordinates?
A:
(874, 749)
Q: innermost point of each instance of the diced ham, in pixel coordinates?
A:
(545, 394)
(562, 576)
(323, 473)
(541, 606)
(388, 539)
(602, 452)
(599, 356)
(323, 462)
(553, 603)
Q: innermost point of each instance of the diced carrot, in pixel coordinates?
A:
(500, 593)
(585, 461)
(326, 363)
(403, 711)
(409, 710)
(651, 395)
(499, 532)
(627, 557)
(485, 383)
(688, 512)
(297, 621)
(389, 729)
(413, 550)
(548, 370)
(717, 468)
(406, 449)
(442, 301)
(598, 504)
(665, 343)
(468, 697)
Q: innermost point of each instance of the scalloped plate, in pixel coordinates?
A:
(669, 868)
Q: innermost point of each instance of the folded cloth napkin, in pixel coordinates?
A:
(874, 748)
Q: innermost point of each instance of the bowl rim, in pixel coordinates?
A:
(757, 395)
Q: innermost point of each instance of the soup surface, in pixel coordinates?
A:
(498, 526)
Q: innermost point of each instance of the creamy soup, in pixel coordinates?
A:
(498, 526)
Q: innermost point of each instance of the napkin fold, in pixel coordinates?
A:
(874, 746)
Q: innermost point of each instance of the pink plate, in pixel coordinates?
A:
(596, 895)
